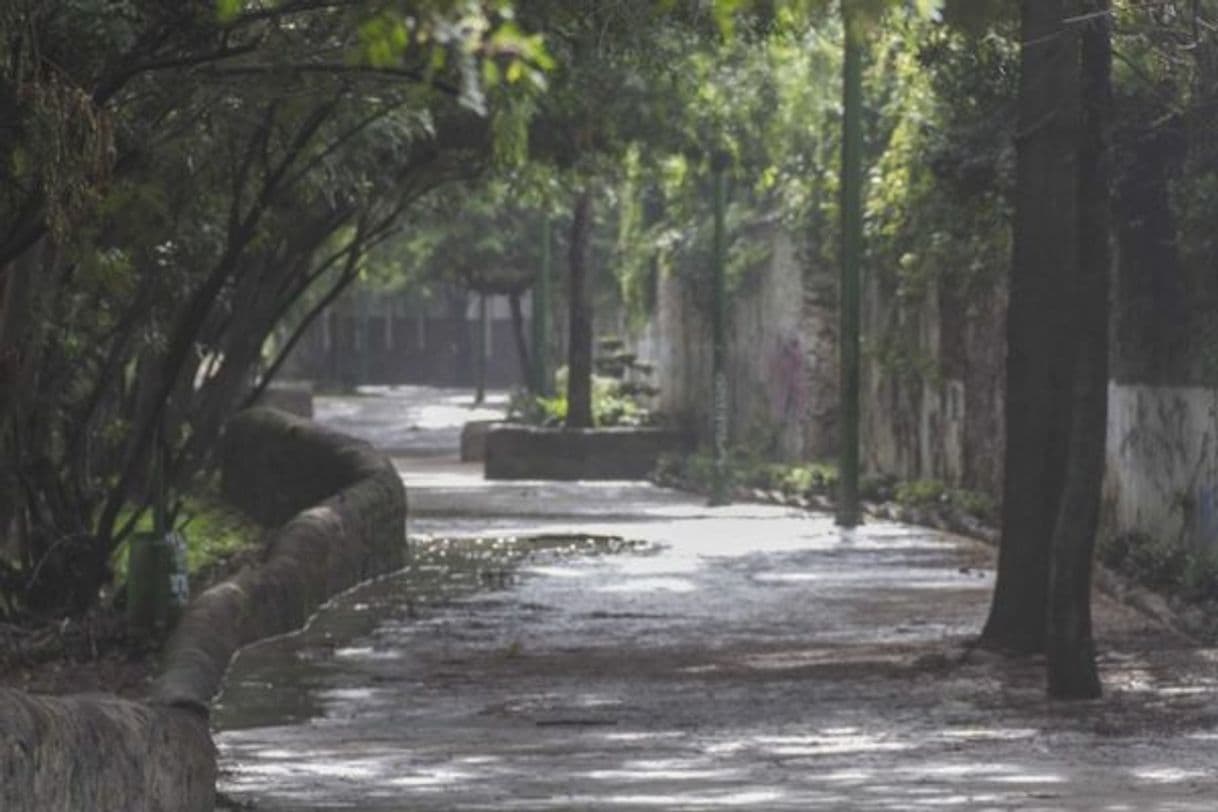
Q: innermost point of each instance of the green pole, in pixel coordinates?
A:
(541, 315)
(149, 561)
(719, 489)
(848, 512)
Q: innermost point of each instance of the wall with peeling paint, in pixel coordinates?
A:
(782, 352)
(933, 383)
(1162, 468)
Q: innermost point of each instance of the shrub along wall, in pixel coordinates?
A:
(342, 508)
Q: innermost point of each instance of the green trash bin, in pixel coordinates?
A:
(157, 582)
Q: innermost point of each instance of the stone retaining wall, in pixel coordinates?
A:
(342, 508)
(528, 452)
(101, 754)
(345, 513)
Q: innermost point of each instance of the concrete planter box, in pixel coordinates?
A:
(473, 439)
(529, 452)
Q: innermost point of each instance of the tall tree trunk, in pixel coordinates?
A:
(579, 356)
(522, 343)
(16, 282)
(18, 287)
(1071, 652)
(540, 381)
(480, 353)
(1039, 361)
(849, 513)
(463, 346)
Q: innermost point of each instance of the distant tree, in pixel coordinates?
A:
(611, 88)
(479, 238)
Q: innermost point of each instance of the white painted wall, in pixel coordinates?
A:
(1162, 465)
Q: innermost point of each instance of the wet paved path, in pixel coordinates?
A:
(746, 657)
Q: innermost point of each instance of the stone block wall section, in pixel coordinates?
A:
(102, 754)
(528, 452)
(342, 511)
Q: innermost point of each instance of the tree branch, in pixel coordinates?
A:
(340, 69)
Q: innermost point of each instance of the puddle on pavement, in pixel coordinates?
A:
(290, 679)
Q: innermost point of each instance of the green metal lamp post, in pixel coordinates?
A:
(848, 512)
(719, 490)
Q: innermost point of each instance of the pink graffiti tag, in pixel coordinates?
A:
(788, 380)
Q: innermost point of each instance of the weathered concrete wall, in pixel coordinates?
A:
(934, 378)
(934, 413)
(819, 329)
(345, 509)
(781, 363)
(102, 755)
(528, 452)
(1162, 466)
(911, 420)
(933, 382)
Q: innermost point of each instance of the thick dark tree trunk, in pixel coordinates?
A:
(480, 353)
(463, 348)
(15, 286)
(18, 290)
(1038, 361)
(522, 343)
(1072, 669)
(579, 356)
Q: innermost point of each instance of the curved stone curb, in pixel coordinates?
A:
(102, 753)
(342, 508)
(277, 467)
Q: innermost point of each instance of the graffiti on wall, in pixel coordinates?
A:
(1207, 516)
(787, 380)
(1162, 472)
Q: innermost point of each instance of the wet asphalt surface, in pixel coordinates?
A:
(616, 646)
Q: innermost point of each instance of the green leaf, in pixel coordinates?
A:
(975, 16)
(927, 8)
(725, 12)
(227, 10)
(490, 74)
